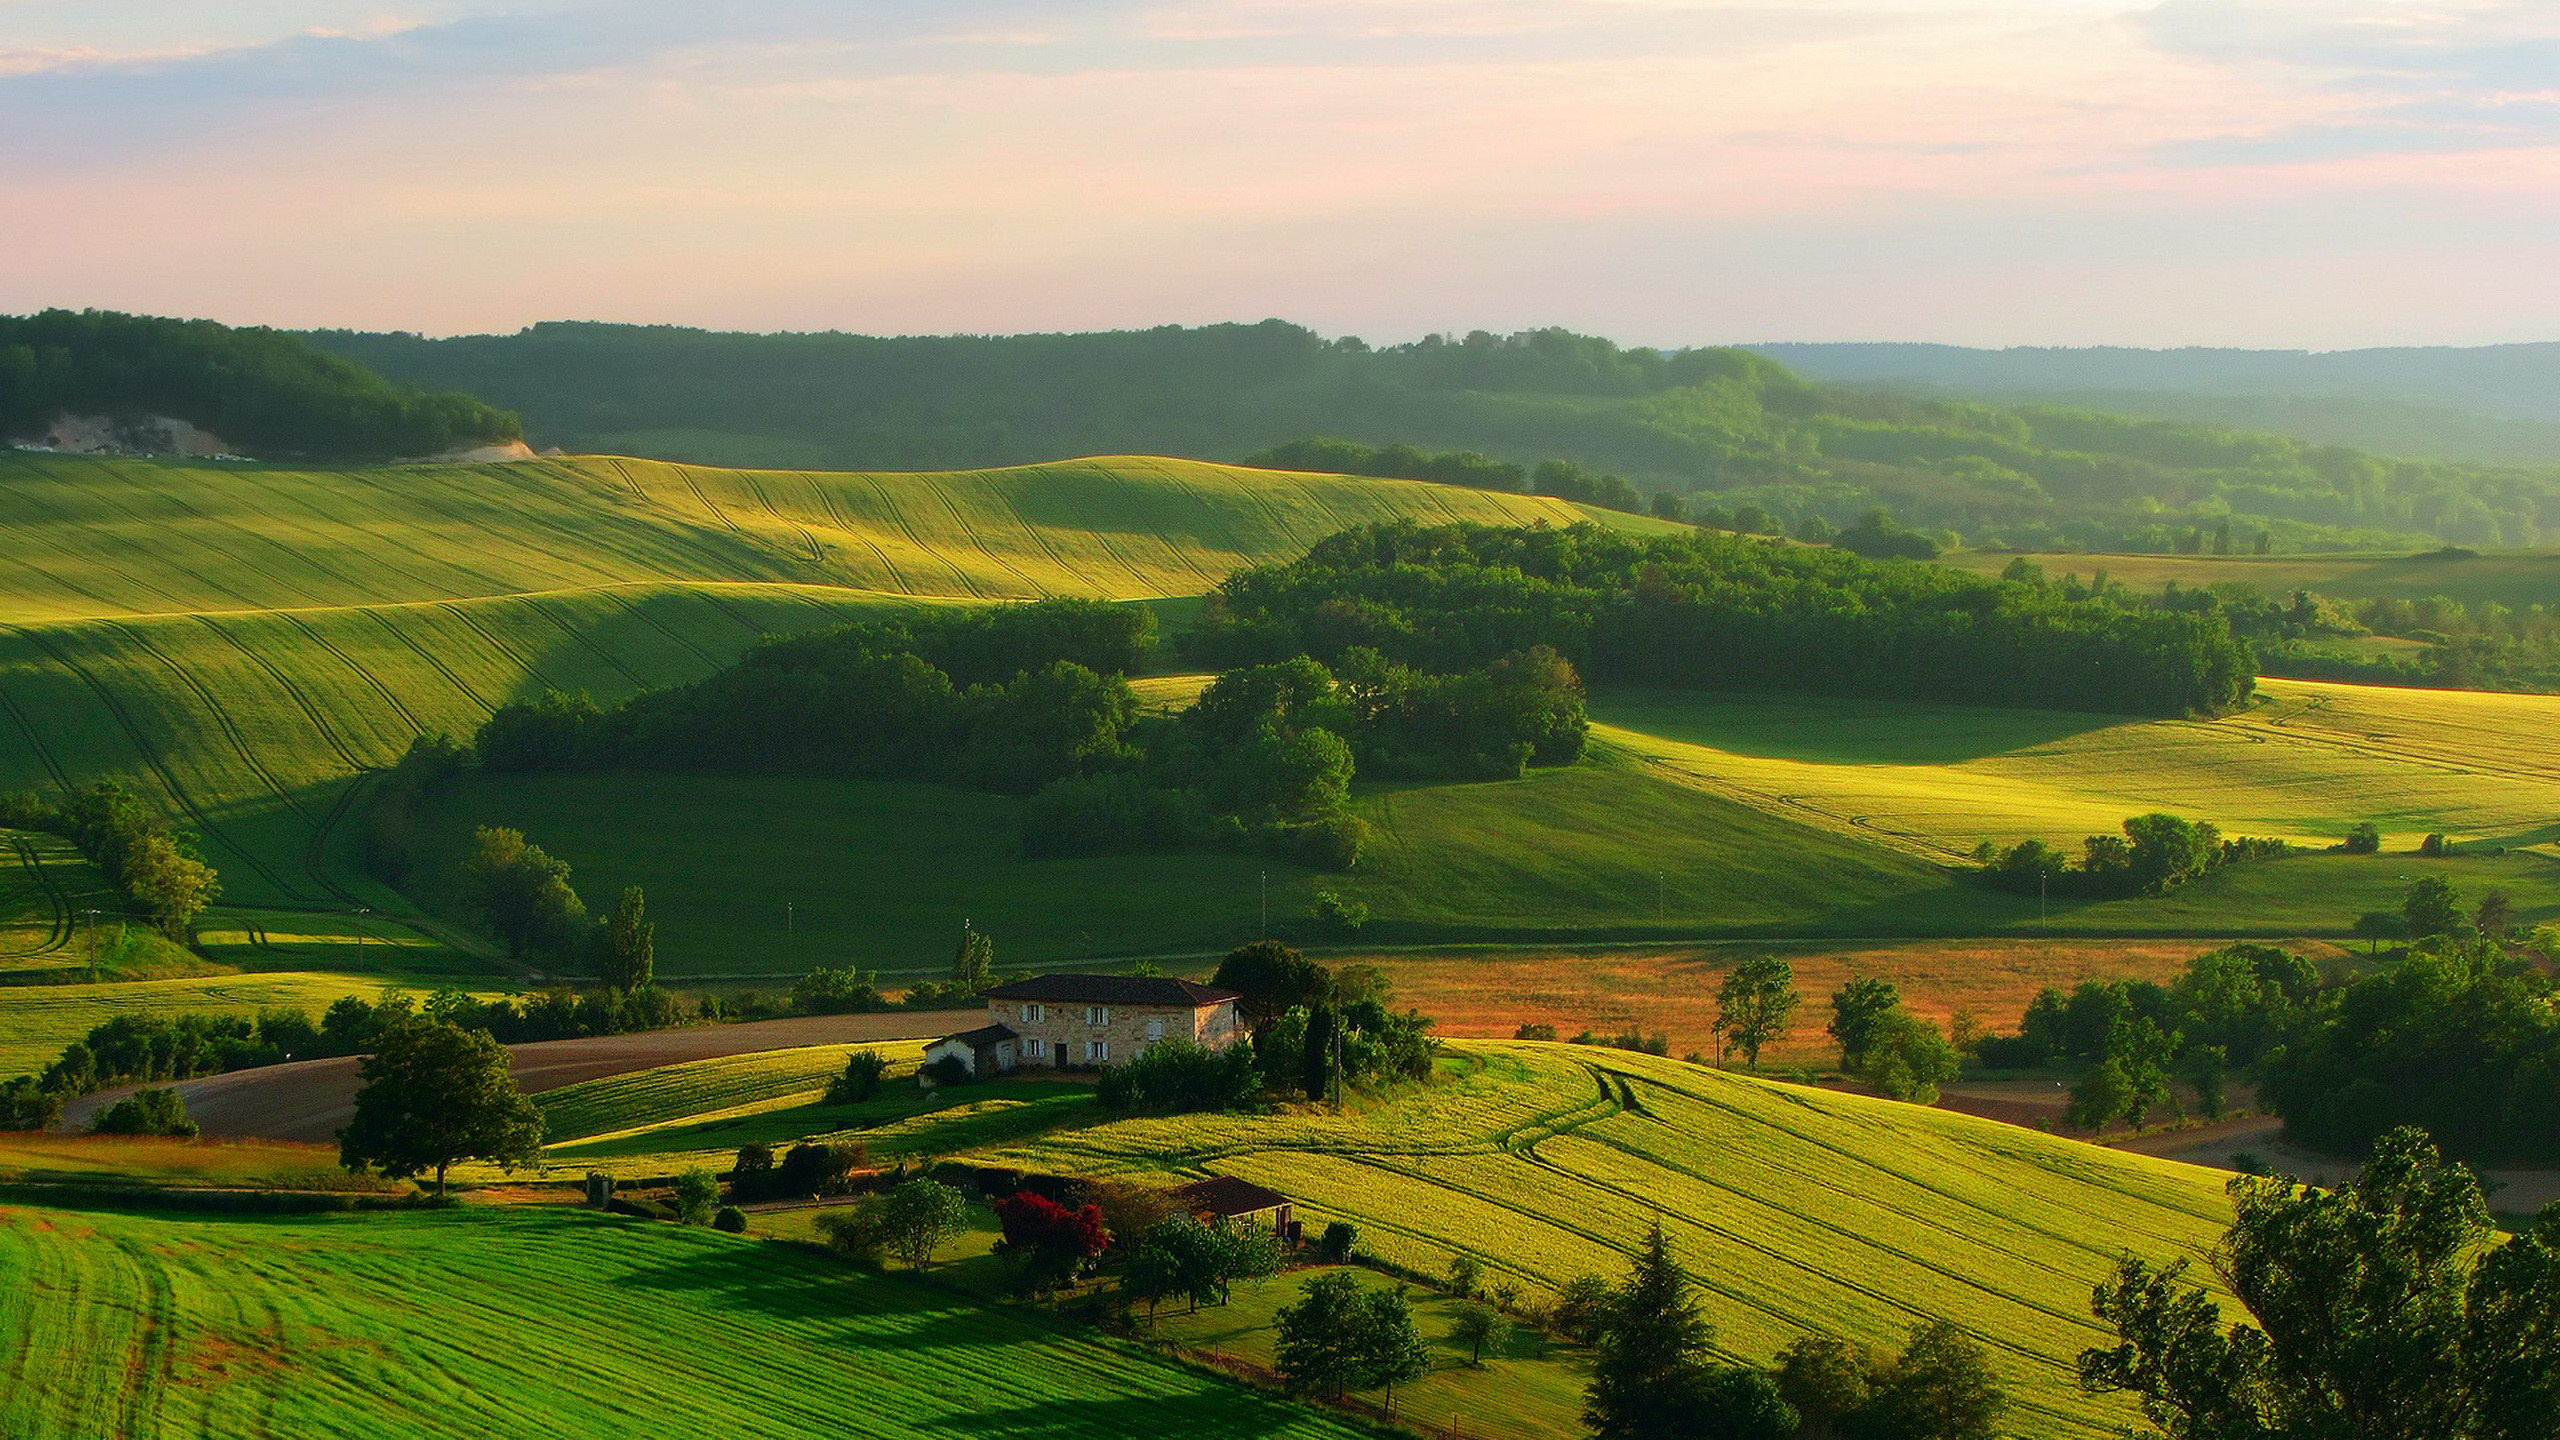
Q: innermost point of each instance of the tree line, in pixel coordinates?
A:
(1717, 610)
(2156, 854)
(273, 394)
(158, 870)
(2461, 1038)
(1728, 430)
(1562, 479)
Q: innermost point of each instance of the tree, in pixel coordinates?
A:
(147, 1112)
(973, 963)
(1939, 1389)
(1318, 1341)
(1179, 1256)
(2363, 838)
(1478, 1327)
(522, 892)
(1388, 1350)
(1652, 1351)
(630, 943)
(2207, 1067)
(1907, 1058)
(1045, 1243)
(1581, 1308)
(1756, 1004)
(1466, 1275)
(1270, 979)
(1315, 1071)
(2493, 914)
(2375, 926)
(2102, 1095)
(2382, 1310)
(2431, 909)
(697, 1195)
(1826, 1379)
(1857, 1008)
(434, 1095)
(919, 1217)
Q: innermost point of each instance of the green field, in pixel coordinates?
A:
(2513, 578)
(2303, 763)
(700, 1089)
(512, 1322)
(36, 1021)
(1798, 1209)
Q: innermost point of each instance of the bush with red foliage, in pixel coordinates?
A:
(1046, 1243)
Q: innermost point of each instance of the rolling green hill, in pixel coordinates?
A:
(1798, 1209)
(2513, 578)
(485, 1322)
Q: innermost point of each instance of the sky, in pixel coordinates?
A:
(2292, 173)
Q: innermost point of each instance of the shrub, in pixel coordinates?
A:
(1338, 1241)
(1534, 1030)
(1581, 1307)
(949, 1070)
(1180, 1074)
(861, 1077)
(730, 1219)
(855, 1232)
(1338, 915)
(147, 1112)
(2363, 838)
(844, 990)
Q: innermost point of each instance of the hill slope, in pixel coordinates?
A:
(485, 1322)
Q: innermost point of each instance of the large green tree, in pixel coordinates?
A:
(522, 892)
(630, 943)
(1651, 1351)
(1756, 1004)
(1858, 1009)
(2385, 1309)
(434, 1095)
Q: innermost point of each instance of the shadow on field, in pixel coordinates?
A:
(1822, 730)
(799, 1287)
(1225, 1413)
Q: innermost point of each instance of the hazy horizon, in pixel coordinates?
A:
(2291, 174)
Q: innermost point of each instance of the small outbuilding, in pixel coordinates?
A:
(987, 1050)
(1224, 1197)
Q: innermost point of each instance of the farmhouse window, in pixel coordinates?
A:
(1033, 1049)
(1097, 1014)
(1035, 1012)
(1155, 1029)
(1098, 1051)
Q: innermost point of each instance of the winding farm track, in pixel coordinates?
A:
(308, 1100)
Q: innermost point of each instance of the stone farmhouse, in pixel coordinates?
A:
(1088, 1022)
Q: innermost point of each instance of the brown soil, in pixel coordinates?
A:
(308, 1100)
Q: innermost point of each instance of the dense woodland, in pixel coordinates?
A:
(1728, 430)
(270, 394)
(1721, 611)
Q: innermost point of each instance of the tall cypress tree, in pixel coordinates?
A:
(631, 943)
(1319, 1057)
(1652, 1360)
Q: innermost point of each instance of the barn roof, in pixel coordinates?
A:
(1113, 990)
(983, 1035)
(1222, 1196)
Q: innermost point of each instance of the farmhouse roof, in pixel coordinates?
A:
(1224, 1197)
(1113, 990)
(983, 1035)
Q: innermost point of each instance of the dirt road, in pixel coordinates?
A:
(309, 1099)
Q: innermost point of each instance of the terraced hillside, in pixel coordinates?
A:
(520, 1322)
(1798, 1209)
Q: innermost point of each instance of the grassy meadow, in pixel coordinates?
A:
(698, 1089)
(505, 1321)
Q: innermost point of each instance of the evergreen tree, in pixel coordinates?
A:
(1651, 1351)
(631, 957)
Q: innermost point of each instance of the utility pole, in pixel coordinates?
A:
(2041, 879)
(791, 920)
(361, 912)
(1266, 905)
(1661, 896)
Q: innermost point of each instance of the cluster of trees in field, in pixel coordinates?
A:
(2387, 1308)
(158, 870)
(1311, 1032)
(1731, 431)
(1712, 609)
(270, 393)
(1034, 697)
(2303, 634)
(1563, 479)
(2461, 1037)
(2156, 854)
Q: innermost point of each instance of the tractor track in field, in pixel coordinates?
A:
(837, 518)
(491, 638)
(58, 930)
(431, 660)
(1201, 503)
(35, 740)
(214, 707)
(1101, 534)
(755, 487)
(327, 729)
(158, 765)
(897, 516)
(640, 612)
(1040, 539)
(585, 642)
(362, 672)
(942, 493)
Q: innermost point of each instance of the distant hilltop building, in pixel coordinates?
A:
(1088, 1022)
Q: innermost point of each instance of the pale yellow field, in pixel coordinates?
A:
(2303, 764)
